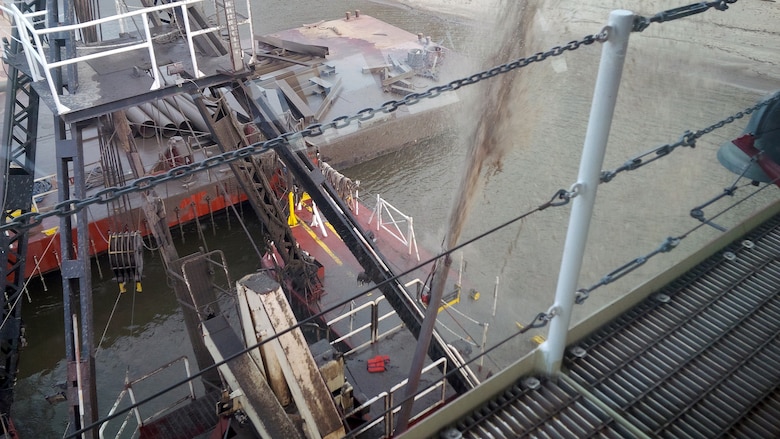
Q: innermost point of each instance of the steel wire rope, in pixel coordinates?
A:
(669, 244)
(688, 138)
(698, 211)
(100, 232)
(240, 220)
(106, 195)
(560, 198)
(471, 338)
(108, 323)
(641, 23)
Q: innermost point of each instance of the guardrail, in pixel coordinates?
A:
(128, 391)
(388, 399)
(41, 68)
(386, 215)
(372, 326)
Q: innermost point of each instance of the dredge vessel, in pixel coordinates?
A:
(137, 116)
(265, 377)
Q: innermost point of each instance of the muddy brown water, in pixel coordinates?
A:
(678, 76)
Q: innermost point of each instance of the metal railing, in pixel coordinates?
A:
(388, 400)
(386, 216)
(128, 391)
(41, 68)
(372, 326)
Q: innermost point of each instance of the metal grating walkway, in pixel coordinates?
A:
(540, 409)
(699, 358)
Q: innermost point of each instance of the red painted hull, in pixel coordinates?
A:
(43, 253)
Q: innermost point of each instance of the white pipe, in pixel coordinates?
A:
(175, 116)
(77, 343)
(189, 35)
(603, 107)
(190, 112)
(143, 12)
(185, 127)
(495, 297)
(166, 126)
(140, 122)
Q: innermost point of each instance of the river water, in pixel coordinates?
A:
(677, 77)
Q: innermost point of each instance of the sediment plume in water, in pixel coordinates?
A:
(489, 136)
(488, 140)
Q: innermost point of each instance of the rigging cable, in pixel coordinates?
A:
(110, 317)
(240, 220)
(668, 245)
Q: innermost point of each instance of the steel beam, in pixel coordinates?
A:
(76, 283)
(17, 163)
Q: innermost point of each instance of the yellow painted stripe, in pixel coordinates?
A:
(320, 243)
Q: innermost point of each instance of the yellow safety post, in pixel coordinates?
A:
(292, 220)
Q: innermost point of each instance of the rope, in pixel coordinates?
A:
(100, 232)
(469, 339)
(240, 220)
(27, 282)
(110, 317)
(465, 316)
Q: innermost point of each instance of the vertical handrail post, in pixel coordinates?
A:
(602, 109)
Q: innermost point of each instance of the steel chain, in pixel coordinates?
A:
(32, 219)
(688, 138)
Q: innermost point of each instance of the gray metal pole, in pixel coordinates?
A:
(603, 106)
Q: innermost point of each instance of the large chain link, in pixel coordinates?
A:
(32, 219)
(687, 139)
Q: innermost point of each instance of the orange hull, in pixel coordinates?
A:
(44, 251)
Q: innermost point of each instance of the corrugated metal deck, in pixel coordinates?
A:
(542, 408)
(699, 358)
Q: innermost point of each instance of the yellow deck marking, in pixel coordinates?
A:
(320, 243)
(538, 339)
